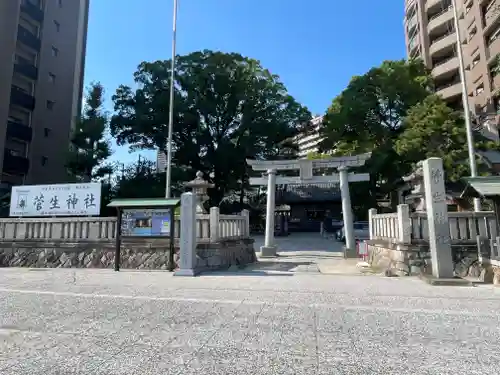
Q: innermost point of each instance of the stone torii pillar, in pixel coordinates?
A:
(350, 243)
(269, 249)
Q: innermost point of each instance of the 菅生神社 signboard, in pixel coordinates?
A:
(145, 222)
(56, 200)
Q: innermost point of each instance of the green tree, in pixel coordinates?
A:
(227, 108)
(89, 147)
(367, 117)
(432, 129)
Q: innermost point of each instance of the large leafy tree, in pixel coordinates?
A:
(432, 129)
(89, 146)
(227, 108)
(368, 116)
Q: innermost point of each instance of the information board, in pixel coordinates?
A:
(146, 222)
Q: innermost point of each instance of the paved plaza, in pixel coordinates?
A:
(63, 321)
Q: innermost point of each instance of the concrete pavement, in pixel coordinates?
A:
(102, 322)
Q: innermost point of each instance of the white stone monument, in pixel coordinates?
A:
(306, 168)
(437, 218)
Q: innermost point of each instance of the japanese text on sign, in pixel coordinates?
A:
(56, 200)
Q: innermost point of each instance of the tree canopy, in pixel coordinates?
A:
(432, 129)
(368, 116)
(227, 108)
(89, 147)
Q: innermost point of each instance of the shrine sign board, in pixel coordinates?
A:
(146, 222)
(56, 200)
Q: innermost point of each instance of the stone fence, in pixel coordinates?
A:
(220, 241)
(405, 227)
(209, 227)
(399, 241)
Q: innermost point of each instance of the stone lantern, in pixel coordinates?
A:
(199, 188)
(416, 198)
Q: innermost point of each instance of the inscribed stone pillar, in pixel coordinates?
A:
(187, 261)
(437, 218)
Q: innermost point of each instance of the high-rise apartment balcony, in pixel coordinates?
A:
(21, 98)
(412, 24)
(19, 131)
(15, 163)
(28, 39)
(449, 90)
(442, 42)
(444, 16)
(492, 50)
(445, 67)
(491, 16)
(26, 68)
(32, 10)
(431, 3)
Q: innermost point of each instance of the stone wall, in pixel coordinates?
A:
(413, 259)
(495, 273)
(139, 253)
(222, 255)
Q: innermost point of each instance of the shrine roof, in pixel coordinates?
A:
(482, 187)
(303, 193)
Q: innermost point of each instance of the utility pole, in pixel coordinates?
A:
(465, 102)
(168, 176)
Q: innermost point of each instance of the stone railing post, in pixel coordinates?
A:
(371, 224)
(404, 224)
(246, 223)
(187, 261)
(214, 224)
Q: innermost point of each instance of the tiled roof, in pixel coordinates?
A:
(326, 192)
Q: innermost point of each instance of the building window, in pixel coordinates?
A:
(46, 132)
(44, 160)
(57, 25)
(479, 89)
(472, 32)
(60, 3)
(50, 104)
(52, 78)
(476, 60)
(55, 52)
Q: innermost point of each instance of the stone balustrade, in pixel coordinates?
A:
(464, 226)
(400, 241)
(209, 228)
(220, 241)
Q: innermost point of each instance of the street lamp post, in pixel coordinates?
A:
(168, 182)
(465, 103)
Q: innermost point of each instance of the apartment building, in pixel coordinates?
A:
(430, 35)
(309, 142)
(161, 161)
(42, 52)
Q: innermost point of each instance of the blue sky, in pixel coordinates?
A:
(315, 46)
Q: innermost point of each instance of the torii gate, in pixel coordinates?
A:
(306, 176)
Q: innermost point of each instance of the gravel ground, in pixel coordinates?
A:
(102, 322)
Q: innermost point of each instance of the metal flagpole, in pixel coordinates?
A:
(171, 109)
(465, 103)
